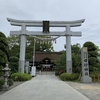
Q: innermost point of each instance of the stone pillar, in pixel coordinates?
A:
(85, 66)
(22, 49)
(27, 67)
(68, 51)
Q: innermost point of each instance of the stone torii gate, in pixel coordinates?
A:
(30, 23)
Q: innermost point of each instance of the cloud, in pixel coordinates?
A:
(57, 10)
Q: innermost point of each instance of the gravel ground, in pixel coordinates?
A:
(90, 90)
(14, 85)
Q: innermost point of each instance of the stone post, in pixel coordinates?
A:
(27, 67)
(68, 51)
(85, 66)
(22, 49)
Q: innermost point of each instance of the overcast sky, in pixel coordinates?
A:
(55, 10)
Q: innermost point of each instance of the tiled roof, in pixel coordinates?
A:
(39, 56)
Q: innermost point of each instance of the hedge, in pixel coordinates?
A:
(21, 77)
(10, 82)
(69, 77)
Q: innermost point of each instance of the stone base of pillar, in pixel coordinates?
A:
(5, 87)
(69, 67)
(21, 66)
(86, 79)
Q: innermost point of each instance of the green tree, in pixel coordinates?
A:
(92, 56)
(4, 57)
(61, 62)
(13, 64)
(14, 46)
(76, 60)
(38, 46)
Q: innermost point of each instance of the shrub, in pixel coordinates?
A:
(68, 77)
(21, 77)
(60, 72)
(10, 82)
(63, 76)
(74, 77)
(1, 82)
(56, 73)
(95, 73)
(1, 72)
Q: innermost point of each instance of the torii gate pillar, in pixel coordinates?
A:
(22, 49)
(68, 51)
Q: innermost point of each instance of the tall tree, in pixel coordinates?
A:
(76, 59)
(14, 45)
(94, 63)
(61, 62)
(13, 64)
(4, 57)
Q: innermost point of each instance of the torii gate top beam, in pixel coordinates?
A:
(31, 23)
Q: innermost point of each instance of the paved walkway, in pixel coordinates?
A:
(43, 87)
(90, 90)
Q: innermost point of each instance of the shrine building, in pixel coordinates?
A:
(45, 61)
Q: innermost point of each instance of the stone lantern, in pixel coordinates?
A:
(6, 75)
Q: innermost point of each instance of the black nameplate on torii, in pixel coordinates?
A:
(45, 26)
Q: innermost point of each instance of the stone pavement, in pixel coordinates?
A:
(90, 90)
(43, 87)
(11, 87)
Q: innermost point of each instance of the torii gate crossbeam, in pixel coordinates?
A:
(30, 23)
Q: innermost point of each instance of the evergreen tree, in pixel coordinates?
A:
(13, 64)
(14, 46)
(76, 60)
(4, 57)
(94, 63)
